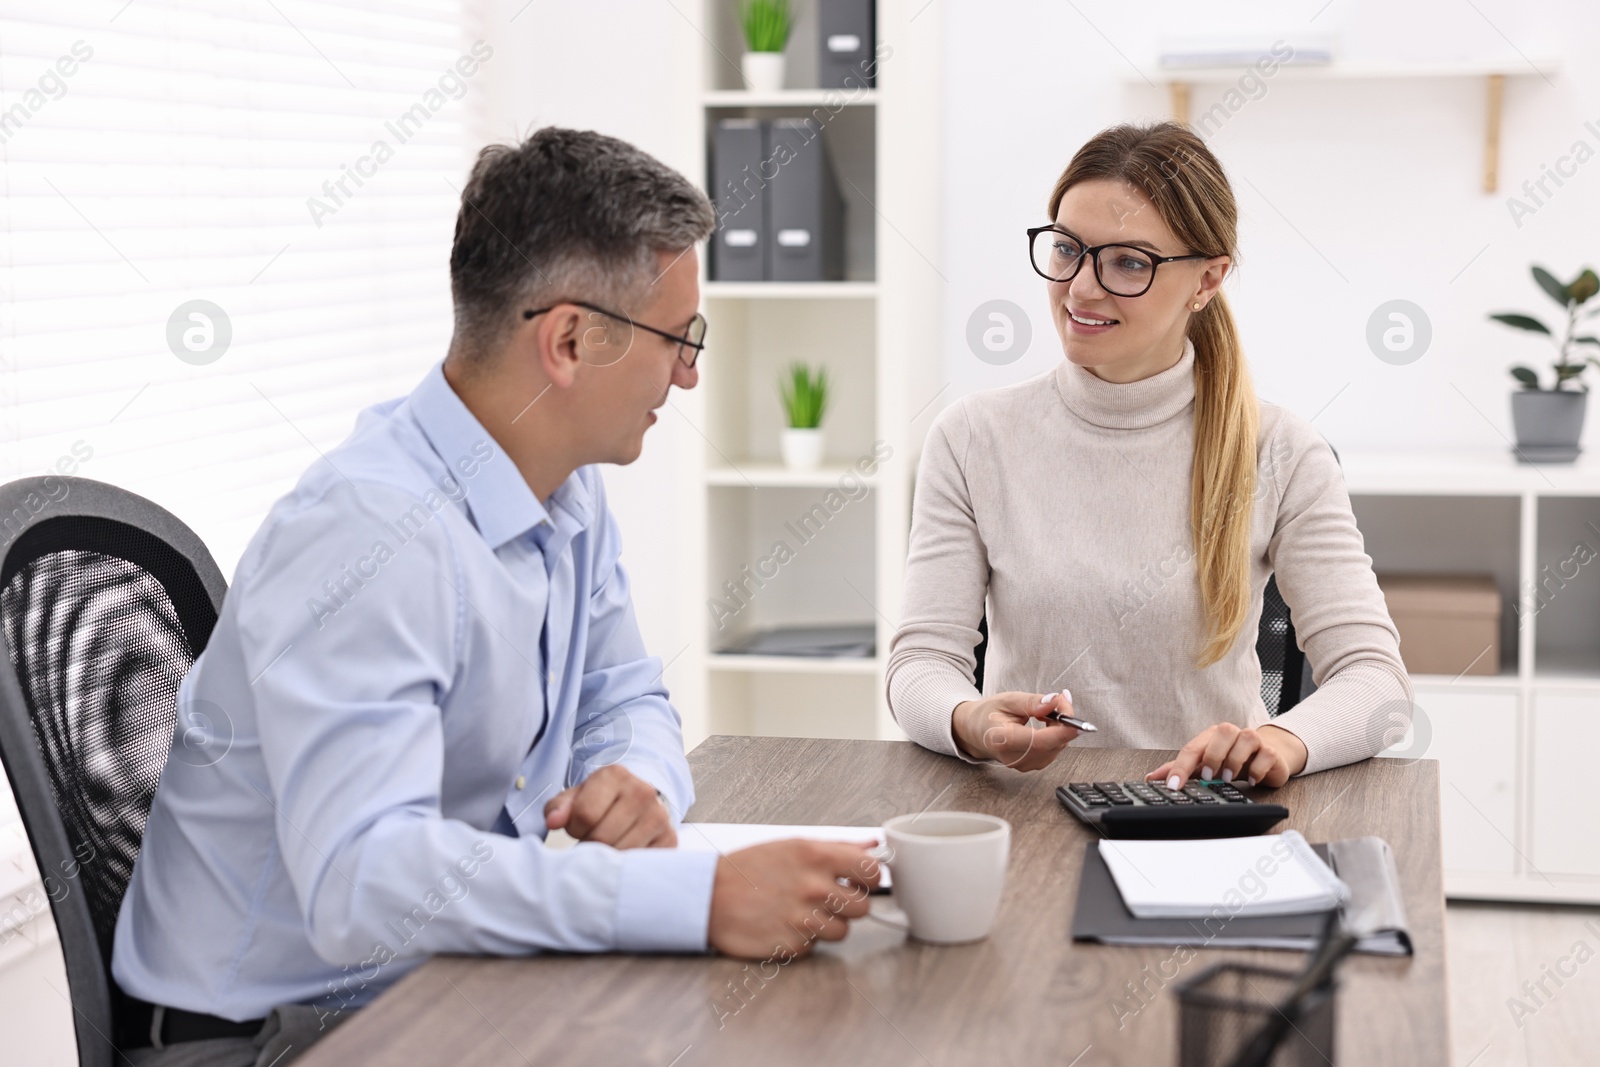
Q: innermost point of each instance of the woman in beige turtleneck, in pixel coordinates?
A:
(1120, 515)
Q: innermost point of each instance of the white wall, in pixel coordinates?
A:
(610, 68)
(1351, 193)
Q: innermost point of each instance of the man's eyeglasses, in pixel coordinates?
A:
(1121, 270)
(690, 343)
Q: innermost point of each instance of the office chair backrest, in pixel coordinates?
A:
(1285, 672)
(105, 602)
(1281, 657)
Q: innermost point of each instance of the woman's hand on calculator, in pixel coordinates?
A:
(1000, 727)
(1265, 755)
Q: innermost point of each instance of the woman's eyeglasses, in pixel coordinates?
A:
(1121, 270)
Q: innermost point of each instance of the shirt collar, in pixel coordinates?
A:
(1129, 405)
(498, 499)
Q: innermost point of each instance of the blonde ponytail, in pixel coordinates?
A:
(1223, 486)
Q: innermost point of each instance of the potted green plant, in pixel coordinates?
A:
(804, 391)
(767, 25)
(1549, 422)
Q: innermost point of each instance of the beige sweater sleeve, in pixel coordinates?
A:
(931, 660)
(1364, 697)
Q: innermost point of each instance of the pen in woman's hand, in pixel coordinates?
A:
(1067, 720)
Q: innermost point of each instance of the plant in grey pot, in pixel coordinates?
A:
(1550, 421)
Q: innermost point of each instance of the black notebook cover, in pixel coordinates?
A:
(1102, 916)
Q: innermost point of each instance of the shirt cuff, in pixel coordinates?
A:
(664, 899)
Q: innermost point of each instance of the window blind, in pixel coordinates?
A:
(226, 230)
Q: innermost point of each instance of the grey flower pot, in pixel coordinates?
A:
(1548, 424)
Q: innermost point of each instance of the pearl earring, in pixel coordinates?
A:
(1197, 305)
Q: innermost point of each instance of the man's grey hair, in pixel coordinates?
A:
(565, 215)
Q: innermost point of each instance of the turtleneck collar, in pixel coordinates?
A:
(1129, 406)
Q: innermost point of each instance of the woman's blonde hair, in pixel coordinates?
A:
(1171, 165)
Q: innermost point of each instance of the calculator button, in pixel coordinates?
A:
(1120, 800)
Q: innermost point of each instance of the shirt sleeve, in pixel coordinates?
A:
(932, 663)
(1340, 617)
(624, 714)
(351, 735)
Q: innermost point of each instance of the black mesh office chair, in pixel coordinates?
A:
(105, 602)
(1285, 672)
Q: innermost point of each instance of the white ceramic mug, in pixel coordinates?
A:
(949, 871)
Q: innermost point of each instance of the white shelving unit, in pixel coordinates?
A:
(1519, 820)
(876, 332)
(787, 98)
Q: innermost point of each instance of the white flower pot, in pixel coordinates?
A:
(802, 449)
(763, 71)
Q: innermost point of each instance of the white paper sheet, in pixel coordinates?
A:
(1274, 874)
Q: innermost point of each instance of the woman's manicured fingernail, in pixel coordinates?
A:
(1205, 772)
(1252, 779)
(1068, 694)
(1227, 775)
(1045, 700)
(1172, 782)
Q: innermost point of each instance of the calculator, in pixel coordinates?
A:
(1142, 809)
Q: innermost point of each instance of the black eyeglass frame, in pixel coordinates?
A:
(1094, 253)
(684, 341)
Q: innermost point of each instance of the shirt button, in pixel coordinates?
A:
(521, 781)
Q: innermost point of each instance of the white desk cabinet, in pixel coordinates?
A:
(1521, 817)
(1564, 815)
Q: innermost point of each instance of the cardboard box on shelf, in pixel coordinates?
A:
(1448, 623)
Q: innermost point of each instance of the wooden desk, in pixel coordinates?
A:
(1028, 995)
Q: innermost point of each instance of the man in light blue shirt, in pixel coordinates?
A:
(429, 658)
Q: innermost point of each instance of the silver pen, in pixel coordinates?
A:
(1068, 720)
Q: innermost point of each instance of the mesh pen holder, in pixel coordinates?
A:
(1224, 1006)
